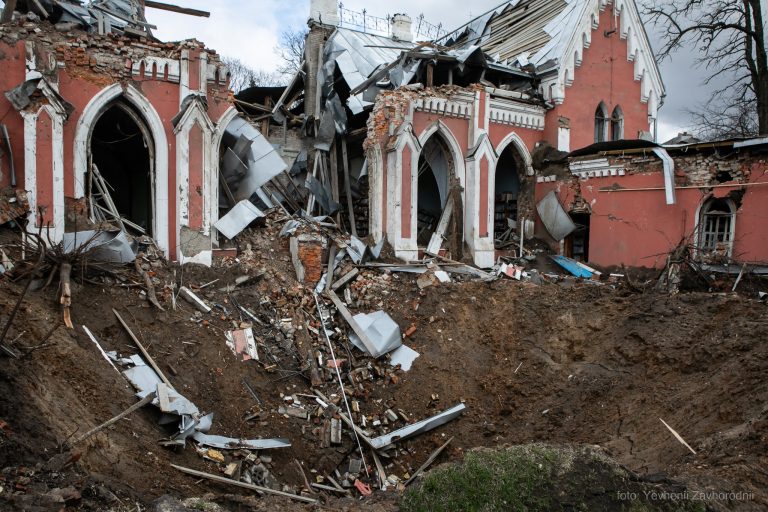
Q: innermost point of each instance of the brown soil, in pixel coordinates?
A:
(569, 364)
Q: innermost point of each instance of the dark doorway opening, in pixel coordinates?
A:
(122, 151)
(433, 186)
(507, 192)
(577, 243)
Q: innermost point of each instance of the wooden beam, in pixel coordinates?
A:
(367, 342)
(143, 350)
(175, 8)
(348, 187)
(259, 489)
(135, 407)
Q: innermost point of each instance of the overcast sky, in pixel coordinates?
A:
(249, 30)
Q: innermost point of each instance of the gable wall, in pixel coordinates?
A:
(605, 74)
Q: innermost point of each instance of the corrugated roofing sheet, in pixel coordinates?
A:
(359, 54)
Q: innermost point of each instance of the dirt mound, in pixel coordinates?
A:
(569, 363)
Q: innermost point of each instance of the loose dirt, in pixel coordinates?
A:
(567, 363)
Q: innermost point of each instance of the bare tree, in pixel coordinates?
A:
(242, 76)
(720, 120)
(291, 49)
(730, 36)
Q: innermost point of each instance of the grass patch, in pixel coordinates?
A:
(536, 478)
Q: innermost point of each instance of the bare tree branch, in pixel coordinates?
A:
(243, 77)
(291, 50)
(730, 37)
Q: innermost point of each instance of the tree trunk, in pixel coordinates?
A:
(761, 63)
(66, 292)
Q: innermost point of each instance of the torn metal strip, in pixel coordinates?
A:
(418, 428)
(230, 443)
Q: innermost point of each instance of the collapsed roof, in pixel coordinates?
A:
(357, 66)
(102, 16)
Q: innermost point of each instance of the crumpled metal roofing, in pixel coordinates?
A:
(359, 54)
(535, 31)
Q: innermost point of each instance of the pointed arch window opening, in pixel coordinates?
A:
(435, 168)
(602, 123)
(617, 124)
(121, 165)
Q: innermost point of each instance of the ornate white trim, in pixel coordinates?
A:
(512, 113)
(57, 163)
(521, 148)
(95, 108)
(164, 67)
(195, 115)
(639, 51)
(454, 107)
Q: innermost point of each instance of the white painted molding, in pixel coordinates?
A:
(195, 115)
(376, 191)
(164, 67)
(456, 153)
(84, 128)
(183, 76)
(57, 163)
(639, 51)
(522, 149)
(513, 113)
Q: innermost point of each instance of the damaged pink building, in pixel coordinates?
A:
(444, 132)
(148, 116)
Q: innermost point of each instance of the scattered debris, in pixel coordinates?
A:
(418, 428)
(193, 299)
(238, 218)
(259, 489)
(243, 344)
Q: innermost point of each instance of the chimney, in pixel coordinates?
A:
(324, 11)
(401, 27)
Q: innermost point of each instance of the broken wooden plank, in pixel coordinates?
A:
(428, 462)
(738, 279)
(369, 345)
(329, 488)
(380, 470)
(143, 350)
(40, 9)
(436, 242)
(135, 407)
(193, 299)
(345, 279)
(678, 437)
(348, 187)
(162, 397)
(101, 350)
(257, 488)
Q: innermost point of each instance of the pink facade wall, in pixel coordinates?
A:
(78, 84)
(638, 229)
(605, 75)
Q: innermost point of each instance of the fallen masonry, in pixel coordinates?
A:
(313, 294)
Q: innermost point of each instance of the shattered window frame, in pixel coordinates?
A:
(717, 227)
